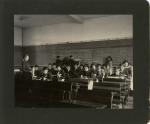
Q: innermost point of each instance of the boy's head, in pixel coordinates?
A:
(86, 68)
(58, 68)
(26, 57)
(49, 66)
(45, 70)
(36, 67)
(125, 63)
(93, 66)
(68, 67)
(54, 66)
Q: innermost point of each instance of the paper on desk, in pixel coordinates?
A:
(90, 85)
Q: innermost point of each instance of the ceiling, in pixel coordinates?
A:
(26, 21)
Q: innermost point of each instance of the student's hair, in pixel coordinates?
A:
(109, 57)
(49, 63)
(107, 60)
(81, 65)
(86, 65)
(125, 62)
(36, 66)
(54, 63)
(98, 65)
(102, 67)
(45, 68)
(92, 65)
(58, 66)
(25, 55)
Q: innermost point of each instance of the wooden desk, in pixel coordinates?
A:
(36, 91)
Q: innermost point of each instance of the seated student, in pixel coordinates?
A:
(68, 73)
(50, 70)
(99, 72)
(80, 69)
(49, 67)
(117, 73)
(108, 66)
(54, 72)
(127, 71)
(71, 61)
(45, 75)
(36, 73)
(58, 61)
(86, 72)
(103, 72)
(76, 71)
(93, 71)
(60, 74)
(65, 61)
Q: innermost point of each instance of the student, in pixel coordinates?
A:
(54, 72)
(80, 69)
(127, 71)
(45, 75)
(86, 73)
(65, 61)
(108, 66)
(49, 67)
(99, 72)
(71, 61)
(76, 71)
(68, 72)
(50, 70)
(60, 74)
(36, 73)
(93, 71)
(58, 61)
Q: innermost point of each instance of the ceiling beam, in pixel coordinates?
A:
(76, 18)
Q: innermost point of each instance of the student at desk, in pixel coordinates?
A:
(100, 72)
(45, 76)
(86, 72)
(127, 71)
(76, 71)
(58, 61)
(54, 72)
(108, 66)
(60, 74)
(36, 73)
(94, 72)
(80, 69)
(49, 67)
(68, 72)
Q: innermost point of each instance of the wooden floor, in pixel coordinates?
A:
(129, 104)
(78, 104)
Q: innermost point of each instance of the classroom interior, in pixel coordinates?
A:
(84, 40)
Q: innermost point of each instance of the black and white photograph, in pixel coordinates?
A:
(74, 61)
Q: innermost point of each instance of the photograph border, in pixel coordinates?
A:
(137, 115)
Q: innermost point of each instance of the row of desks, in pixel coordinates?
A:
(75, 89)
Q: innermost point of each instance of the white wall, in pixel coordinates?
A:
(17, 36)
(109, 27)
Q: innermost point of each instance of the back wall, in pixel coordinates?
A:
(89, 52)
